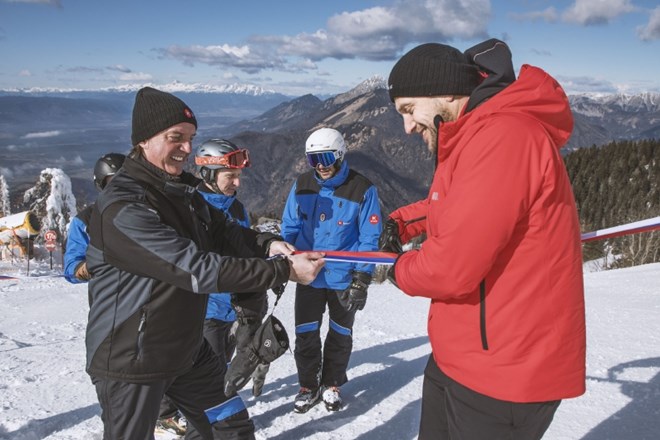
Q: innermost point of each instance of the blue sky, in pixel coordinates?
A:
(297, 47)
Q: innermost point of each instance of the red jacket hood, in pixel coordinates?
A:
(536, 94)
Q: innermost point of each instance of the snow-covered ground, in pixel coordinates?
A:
(45, 393)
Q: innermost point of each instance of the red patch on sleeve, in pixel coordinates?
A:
(374, 219)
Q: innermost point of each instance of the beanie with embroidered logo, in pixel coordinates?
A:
(155, 111)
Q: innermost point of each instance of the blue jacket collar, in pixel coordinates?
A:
(219, 200)
(335, 180)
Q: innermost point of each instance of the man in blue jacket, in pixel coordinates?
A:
(330, 207)
(75, 265)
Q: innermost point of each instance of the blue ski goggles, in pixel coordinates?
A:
(325, 159)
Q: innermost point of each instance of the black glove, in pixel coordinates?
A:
(240, 369)
(258, 378)
(355, 295)
(244, 362)
(389, 240)
(268, 342)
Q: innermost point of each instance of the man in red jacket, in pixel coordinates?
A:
(502, 261)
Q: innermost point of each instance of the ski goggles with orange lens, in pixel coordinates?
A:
(325, 159)
(235, 159)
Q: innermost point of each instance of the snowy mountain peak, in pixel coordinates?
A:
(642, 102)
(373, 83)
(369, 85)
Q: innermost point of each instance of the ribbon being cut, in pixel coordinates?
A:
(389, 258)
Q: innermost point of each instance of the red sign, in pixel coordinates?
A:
(50, 246)
(50, 235)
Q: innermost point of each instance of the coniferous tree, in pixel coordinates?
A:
(615, 184)
(52, 200)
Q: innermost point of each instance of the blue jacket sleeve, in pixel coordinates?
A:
(76, 247)
(291, 222)
(371, 224)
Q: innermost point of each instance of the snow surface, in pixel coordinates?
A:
(46, 394)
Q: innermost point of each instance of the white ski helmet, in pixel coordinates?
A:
(325, 140)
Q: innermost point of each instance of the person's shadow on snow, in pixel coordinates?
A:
(360, 395)
(42, 428)
(639, 419)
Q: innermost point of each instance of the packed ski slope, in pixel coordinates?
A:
(45, 393)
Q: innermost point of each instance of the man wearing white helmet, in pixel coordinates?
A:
(331, 207)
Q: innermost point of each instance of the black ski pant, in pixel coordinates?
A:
(319, 364)
(217, 334)
(451, 411)
(130, 410)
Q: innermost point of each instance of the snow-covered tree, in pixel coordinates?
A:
(52, 200)
(5, 208)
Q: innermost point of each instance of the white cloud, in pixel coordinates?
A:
(542, 52)
(595, 12)
(549, 15)
(24, 72)
(57, 3)
(381, 33)
(652, 29)
(42, 134)
(585, 84)
(241, 57)
(588, 84)
(376, 34)
(119, 68)
(135, 76)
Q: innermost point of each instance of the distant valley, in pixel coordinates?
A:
(70, 132)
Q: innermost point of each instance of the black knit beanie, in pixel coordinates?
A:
(155, 111)
(433, 69)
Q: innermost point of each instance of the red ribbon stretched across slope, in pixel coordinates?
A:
(390, 257)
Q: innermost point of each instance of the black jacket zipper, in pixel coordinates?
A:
(482, 314)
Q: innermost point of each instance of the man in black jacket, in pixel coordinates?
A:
(156, 250)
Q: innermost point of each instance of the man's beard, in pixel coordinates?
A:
(443, 116)
(432, 139)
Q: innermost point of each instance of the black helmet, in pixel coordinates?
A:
(106, 166)
(216, 154)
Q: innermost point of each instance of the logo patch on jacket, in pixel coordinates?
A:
(374, 219)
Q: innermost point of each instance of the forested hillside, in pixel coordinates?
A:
(614, 184)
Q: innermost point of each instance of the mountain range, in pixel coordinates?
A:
(71, 130)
